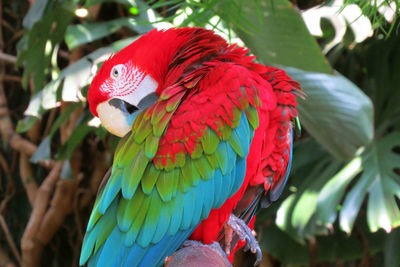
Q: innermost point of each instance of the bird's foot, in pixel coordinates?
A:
(238, 226)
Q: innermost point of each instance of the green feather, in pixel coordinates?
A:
(184, 184)
(225, 132)
(234, 141)
(197, 151)
(151, 146)
(144, 129)
(169, 164)
(165, 184)
(186, 171)
(158, 113)
(160, 127)
(236, 117)
(191, 175)
(125, 157)
(131, 235)
(174, 101)
(171, 91)
(106, 226)
(133, 174)
(137, 121)
(150, 224)
(195, 174)
(175, 178)
(222, 157)
(252, 116)
(210, 141)
(212, 159)
(149, 178)
(94, 216)
(128, 209)
(180, 159)
(204, 168)
(243, 100)
(123, 145)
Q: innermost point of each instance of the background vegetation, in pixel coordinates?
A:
(341, 206)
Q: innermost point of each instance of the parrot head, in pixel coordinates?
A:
(130, 80)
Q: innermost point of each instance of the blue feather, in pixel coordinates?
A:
(243, 132)
(105, 223)
(177, 215)
(95, 258)
(149, 225)
(164, 220)
(155, 255)
(240, 172)
(188, 209)
(218, 188)
(114, 253)
(231, 155)
(200, 192)
(111, 247)
(109, 192)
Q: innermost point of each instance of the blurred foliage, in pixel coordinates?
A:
(342, 202)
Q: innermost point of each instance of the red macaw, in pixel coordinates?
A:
(201, 123)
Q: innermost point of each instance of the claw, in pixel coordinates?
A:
(234, 224)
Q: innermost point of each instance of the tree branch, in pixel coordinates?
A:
(196, 257)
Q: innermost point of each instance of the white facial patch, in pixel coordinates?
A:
(146, 87)
(128, 83)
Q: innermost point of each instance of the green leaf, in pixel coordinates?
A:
(26, 123)
(380, 180)
(380, 163)
(42, 152)
(62, 118)
(84, 33)
(66, 172)
(77, 135)
(331, 194)
(335, 112)
(281, 246)
(43, 100)
(281, 37)
(35, 13)
(94, 2)
(296, 214)
(79, 34)
(38, 44)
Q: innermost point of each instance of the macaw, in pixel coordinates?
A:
(201, 123)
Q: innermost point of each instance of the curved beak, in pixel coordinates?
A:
(117, 115)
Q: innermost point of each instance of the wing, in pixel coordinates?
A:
(274, 137)
(279, 162)
(185, 156)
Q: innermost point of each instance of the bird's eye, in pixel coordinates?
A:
(117, 71)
